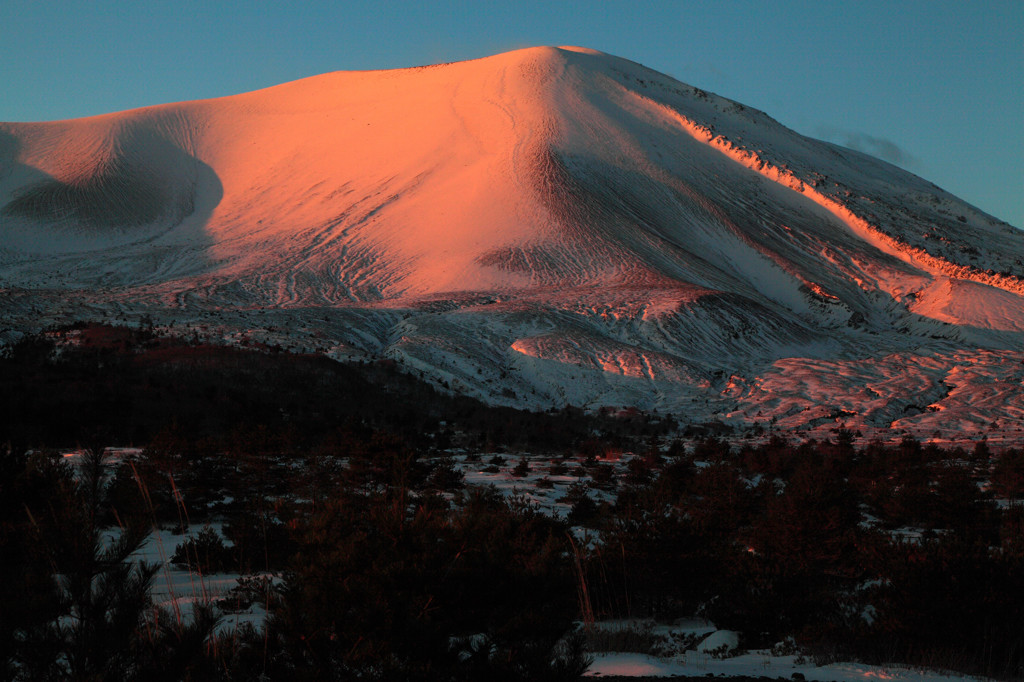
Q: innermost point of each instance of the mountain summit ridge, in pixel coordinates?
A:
(541, 227)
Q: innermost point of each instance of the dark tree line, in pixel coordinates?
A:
(124, 386)
(384, 579)
(336, 477)
(885, 553)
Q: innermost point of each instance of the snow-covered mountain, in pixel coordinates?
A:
(541, 227)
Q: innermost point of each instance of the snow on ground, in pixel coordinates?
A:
(680, 658)
(178, 589)
(526, 488)
(687, 648)
(694, 647)
(754, 664)
(691, 648)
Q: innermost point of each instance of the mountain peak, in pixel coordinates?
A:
(564, 210)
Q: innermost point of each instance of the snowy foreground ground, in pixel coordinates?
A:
(686, 648)
(751, 664)
(178, 590)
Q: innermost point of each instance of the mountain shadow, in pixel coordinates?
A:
(144, 179)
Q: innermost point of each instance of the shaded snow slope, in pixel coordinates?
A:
(545, 226)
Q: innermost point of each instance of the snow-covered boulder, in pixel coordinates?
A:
(720, 642)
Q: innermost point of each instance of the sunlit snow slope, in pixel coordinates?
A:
(542, 227)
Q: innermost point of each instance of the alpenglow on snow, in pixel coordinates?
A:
(545, 227)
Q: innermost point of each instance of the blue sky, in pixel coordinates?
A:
(936, 87)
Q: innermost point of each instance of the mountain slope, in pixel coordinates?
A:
(548, 225)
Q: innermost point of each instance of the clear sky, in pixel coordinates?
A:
(935, 86)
